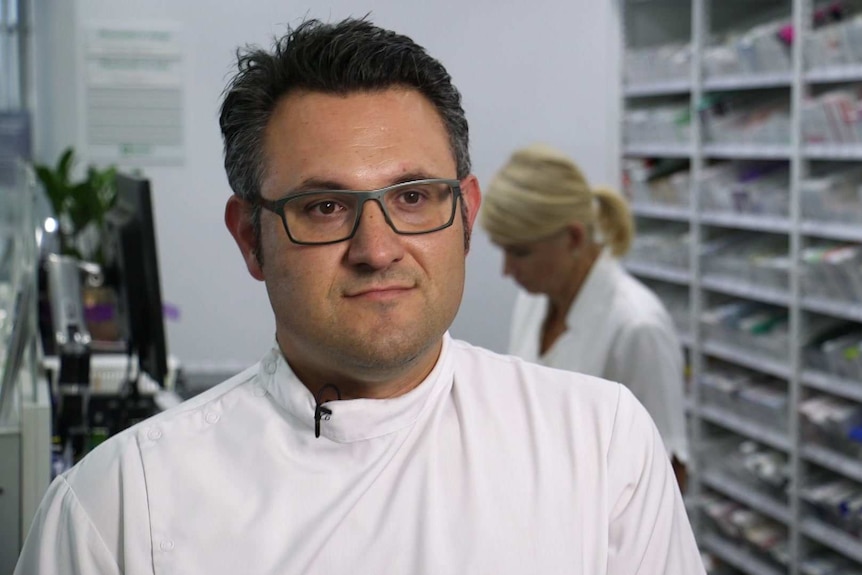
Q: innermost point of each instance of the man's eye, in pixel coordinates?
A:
(325, 207)
(411, 197)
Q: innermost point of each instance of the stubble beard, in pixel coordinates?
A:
(386, 347)
(377, 345)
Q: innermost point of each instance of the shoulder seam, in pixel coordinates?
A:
(191, 404)
(92, 525)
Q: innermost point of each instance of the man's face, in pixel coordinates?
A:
(369, 311)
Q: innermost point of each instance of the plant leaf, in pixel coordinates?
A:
(56, 190)
(64, 166)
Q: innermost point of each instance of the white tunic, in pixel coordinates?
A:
(491, 465)
(617, 330)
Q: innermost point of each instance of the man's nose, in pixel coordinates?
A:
(375, 243)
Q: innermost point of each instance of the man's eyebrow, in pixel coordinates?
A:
(416, 175)
(315, 184)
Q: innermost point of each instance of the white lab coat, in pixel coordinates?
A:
(617, 330)
(490, 465)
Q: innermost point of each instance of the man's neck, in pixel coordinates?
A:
(365, 382)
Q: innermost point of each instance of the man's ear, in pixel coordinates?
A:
(471, 195)
(238, 219)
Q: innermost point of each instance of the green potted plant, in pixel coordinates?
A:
(79, 206)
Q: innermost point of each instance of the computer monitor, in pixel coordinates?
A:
(132, 260)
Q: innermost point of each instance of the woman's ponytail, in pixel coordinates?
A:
(614, 220)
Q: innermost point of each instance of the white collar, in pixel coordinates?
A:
(354, 419)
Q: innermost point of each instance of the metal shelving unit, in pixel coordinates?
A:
(846, 73)
(745, 427)
(832, 231)
(659, 88)
(745, 358)
(833, 152)
(658, 211)
(832, 384)
(834, 461)
(749, 81)
(658, 150)
(659, 272)
(832, 538)
(746, 290)
(648, 25)
(747, 151)
(730, 487)
(842, 310)
(746, 222)
(741, 559)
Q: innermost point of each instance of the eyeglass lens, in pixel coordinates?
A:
(411, 208)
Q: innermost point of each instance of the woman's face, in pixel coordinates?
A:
(539, 267)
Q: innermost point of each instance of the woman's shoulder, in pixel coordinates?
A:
(634, 300)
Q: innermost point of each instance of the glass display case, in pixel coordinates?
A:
(25, 407)
(18, 276)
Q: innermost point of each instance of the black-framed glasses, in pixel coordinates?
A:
(319, 217)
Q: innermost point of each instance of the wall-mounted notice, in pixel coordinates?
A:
(133, 97)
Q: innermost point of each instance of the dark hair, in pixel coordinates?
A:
(350, 56)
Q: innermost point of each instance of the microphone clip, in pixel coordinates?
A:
(321, 412)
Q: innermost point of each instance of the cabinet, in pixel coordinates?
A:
(742, 157)
(25, 412)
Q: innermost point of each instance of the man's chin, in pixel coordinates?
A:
(386, 350)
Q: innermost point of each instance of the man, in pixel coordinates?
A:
(367, 440)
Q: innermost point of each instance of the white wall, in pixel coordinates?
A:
(529, 70)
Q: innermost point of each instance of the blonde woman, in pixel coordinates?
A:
(579, 310)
